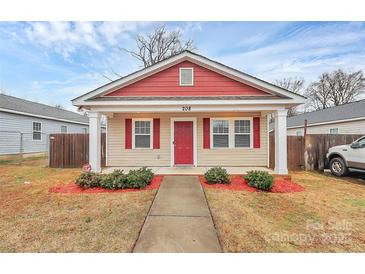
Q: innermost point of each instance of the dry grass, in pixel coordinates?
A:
(329, 216)
(34, 220)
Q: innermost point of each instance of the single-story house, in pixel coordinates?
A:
(188, 110)
(345, 119)
(25, 125)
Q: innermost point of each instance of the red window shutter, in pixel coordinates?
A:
(128, 133)
(156, 133)
(256, 132)
(206, 133)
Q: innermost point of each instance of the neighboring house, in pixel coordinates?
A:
(345, 119)
(188, 110)
(25, 125)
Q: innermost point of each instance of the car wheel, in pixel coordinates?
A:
(338, 167)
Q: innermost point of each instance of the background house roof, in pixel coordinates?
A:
(32, 108)
(332, 114)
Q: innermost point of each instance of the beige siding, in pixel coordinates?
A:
(117, 155)
(355, 127)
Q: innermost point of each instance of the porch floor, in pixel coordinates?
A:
(191, 170)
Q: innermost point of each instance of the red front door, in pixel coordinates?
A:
(183, 143)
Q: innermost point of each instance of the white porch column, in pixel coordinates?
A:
(94, 141)
(281, 159)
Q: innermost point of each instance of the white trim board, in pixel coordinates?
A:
(196, 59)
(106, 141)
(195, 144)
(327, 123)
(178, 109)
(330, 122)
(280, 102)
(268, 138)
(41, 116)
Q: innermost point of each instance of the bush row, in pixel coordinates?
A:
(139, 178)
(259, 179)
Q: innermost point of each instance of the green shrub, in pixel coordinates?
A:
(139, 178)
(217, 175)
(260, 179)
(88, 179)
(115, 180)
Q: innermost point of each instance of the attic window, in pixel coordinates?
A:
(186, 76)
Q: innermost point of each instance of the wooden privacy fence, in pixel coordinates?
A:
(309, 152)
(295, 145)
(72, 150)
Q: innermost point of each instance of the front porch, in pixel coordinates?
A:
(162, 142)
(232, 170)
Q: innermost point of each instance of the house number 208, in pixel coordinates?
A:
(186, 108)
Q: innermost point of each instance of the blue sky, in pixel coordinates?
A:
(53, 62)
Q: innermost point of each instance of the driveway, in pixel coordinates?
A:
(179, 219)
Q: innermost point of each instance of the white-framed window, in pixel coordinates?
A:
(231, 132)
(220, 133)
(37, 131)
(186, 76)
(63, 129)
(334, 130)
(242, 133)
(142, 133)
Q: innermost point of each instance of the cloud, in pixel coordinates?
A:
(304, 51)
(64, 37)
(192, 27)
(62, 91)
(67, 38)
(269, 50)
(114, 31)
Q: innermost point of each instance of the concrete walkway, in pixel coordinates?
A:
(179, 219)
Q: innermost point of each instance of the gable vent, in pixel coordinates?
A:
(186, 76)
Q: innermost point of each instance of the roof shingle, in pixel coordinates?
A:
(33, 108)
(343, 112)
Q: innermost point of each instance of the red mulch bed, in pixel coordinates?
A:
(73, 188)
(238, 183)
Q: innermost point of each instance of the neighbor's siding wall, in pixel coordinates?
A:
(355, 127)
(117, 155)
(11, 125)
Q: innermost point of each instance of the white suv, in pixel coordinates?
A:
(345, 158)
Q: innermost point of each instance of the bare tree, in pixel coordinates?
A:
(295, 85)
(159, 45)
(335, 88)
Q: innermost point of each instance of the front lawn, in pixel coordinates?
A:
(34, 220)
(328, 216)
